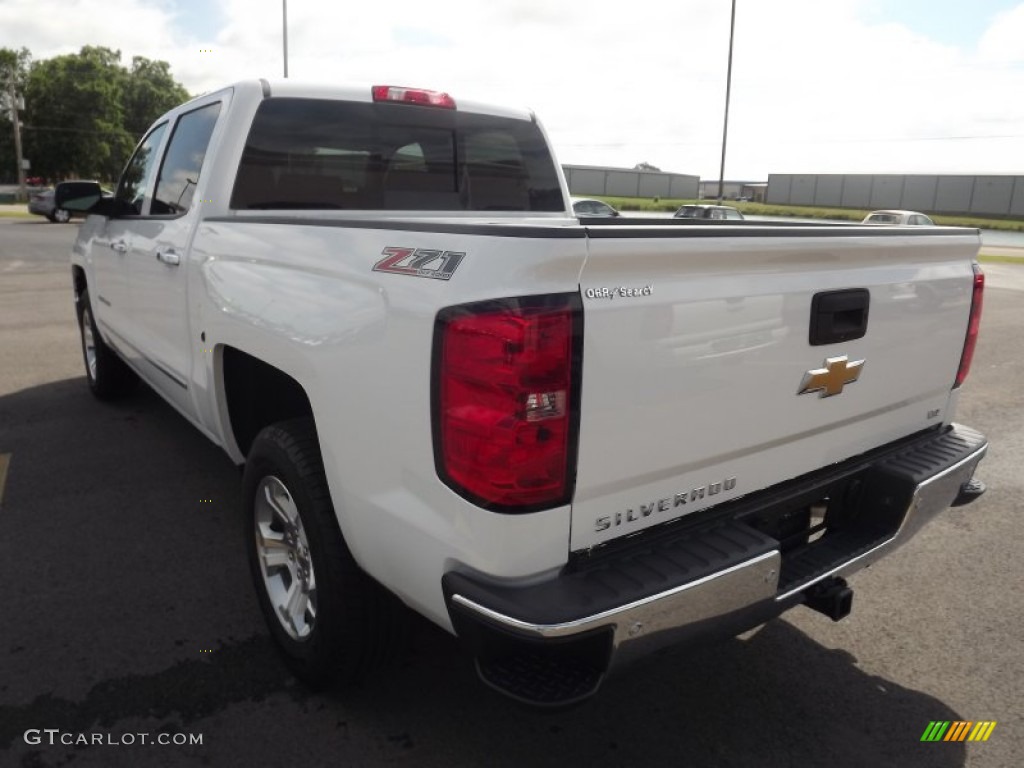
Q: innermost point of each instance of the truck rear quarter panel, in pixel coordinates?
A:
(302, 295)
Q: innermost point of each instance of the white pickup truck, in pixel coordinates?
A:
(567, 441)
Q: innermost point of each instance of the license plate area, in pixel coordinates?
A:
(801, 521)
(827, 525)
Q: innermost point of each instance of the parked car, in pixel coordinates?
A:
(898, 219)
(40, 202)
(722, 212)
(583, 206)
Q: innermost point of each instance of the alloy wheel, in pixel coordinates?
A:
(284, 558)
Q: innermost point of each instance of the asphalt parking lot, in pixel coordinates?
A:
(128, 607)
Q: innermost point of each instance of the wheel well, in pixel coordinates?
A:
(78, 280)
(258, 395)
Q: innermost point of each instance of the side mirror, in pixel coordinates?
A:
(76, 195)
(87, 196)
(112, 208)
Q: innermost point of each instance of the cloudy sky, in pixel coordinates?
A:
(818, 85)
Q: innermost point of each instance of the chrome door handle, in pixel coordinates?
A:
(170, 258)
(120, 246)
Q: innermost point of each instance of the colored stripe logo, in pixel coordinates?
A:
(958, 730)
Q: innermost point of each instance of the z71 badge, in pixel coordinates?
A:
(420, 262)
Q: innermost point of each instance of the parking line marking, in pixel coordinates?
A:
(5, 460)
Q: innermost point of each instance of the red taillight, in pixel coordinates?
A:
(413, 96)
(973, 324)
(505, 402)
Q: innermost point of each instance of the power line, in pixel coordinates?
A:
(58, 129)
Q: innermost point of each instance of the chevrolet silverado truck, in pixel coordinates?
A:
(567, 441)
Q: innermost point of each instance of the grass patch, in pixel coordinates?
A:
(1006, 225)
(16, 215)
(991, 258)
(665, 204)
(803, 212)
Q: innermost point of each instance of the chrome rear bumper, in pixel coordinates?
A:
(715, 580)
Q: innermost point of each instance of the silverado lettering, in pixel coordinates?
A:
(665, 504)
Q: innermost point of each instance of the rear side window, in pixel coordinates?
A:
(183, 160)
(320, 154)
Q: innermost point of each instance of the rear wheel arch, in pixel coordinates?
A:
(257, 395)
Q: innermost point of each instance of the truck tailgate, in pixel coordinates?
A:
(697, 343)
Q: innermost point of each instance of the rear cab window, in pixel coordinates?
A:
(319, 154)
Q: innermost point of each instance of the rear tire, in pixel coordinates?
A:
(108, 376)
(61, 216)
(331, 621)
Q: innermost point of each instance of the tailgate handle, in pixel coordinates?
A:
(839, 316)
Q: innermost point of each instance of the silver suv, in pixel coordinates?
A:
(708, 212)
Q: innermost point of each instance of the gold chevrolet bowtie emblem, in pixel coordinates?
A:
(830, 380)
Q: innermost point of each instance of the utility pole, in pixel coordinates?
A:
(728, 88)
(284, 29)
(12, 98)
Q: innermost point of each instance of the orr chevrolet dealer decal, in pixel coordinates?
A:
(619, 290)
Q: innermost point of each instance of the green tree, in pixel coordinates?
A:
(74, 120)
(149, 91)
(85, 111)
(13, 66)
(13, 71)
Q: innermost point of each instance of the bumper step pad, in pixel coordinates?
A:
(551, 673)
(610, 583)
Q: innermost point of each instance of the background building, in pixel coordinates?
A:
(585, 180)
(983, 195)
(734, 190)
